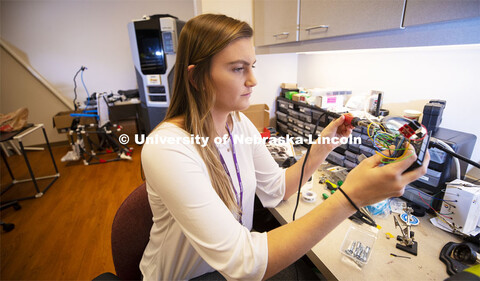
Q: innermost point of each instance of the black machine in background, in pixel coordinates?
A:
(153, 42)
(429, 188)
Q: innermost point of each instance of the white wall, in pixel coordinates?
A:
(60, 36)
(57, 37)
(409, 78)
(239, 9)
(271, 71)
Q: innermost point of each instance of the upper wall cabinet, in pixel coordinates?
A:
(328, 18)
(275, 21)
(429, 11)
(282, 21)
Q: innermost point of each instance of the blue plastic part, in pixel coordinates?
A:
(413, 219)
(83, 115)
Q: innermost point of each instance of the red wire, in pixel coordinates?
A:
(419, 195)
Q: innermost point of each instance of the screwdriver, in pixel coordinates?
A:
(330, 185)
(398, 256)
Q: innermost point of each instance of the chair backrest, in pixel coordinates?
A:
(131, 233)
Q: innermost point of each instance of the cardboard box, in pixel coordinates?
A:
(300, 97)
(63, 121)
(289, 86)
(259, 114)
(329, 101)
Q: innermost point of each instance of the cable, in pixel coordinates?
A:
(85, 87)
(75, 88)
(457, 162)
(82, 69)
(303, 165)
(465, 159)
(359, 214)
(362, 216)
(446, 201)
(383, 141)
(407, 134)
(386, 145)
(438, 214)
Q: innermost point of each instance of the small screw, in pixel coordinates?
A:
(366, 253)
(359, 250)
(349, 251)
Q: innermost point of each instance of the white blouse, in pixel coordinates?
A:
(193, 231)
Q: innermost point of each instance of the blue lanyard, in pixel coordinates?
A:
(237, 168)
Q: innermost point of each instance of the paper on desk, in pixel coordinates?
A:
(438, 223)
(442, 225)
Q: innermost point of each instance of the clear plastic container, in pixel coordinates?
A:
(358, 245)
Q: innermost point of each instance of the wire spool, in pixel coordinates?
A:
(412, 114)
(383, 112)
(309, 196)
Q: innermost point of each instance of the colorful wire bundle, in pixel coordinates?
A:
(394, 143)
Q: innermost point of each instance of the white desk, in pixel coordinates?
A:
(381, 266)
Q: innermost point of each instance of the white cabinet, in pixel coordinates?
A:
(282, 21)
(429, 11)
(328, 18)
(278, 21)
(275, 21)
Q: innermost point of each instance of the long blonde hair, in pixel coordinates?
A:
(193, 97)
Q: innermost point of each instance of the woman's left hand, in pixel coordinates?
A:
(330, 136)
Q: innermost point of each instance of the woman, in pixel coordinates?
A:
(202, 196)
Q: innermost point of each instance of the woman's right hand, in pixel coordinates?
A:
(369, 182)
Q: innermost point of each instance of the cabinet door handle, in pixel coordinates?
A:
(316, 27)
(281, 34)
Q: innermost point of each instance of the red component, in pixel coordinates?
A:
(406, 131)
(128, 154)
(351, 120)
(108, 151)
(348, 119)
(103, 161)
(265, 133)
